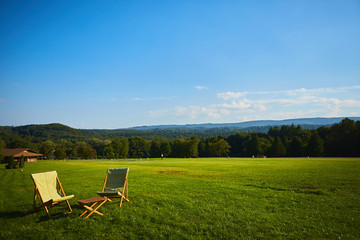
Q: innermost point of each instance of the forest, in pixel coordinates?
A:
(58, 141)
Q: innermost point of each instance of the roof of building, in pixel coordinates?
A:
(17, 152)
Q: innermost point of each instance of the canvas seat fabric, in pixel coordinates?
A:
(115, 184)
(50, 191)
(47, 185)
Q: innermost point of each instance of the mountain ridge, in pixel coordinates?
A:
(58, 132)
(318, 121)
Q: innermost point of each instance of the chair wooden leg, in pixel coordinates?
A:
(35, 194)
(68, 204)
(121, 200)
(47, 211)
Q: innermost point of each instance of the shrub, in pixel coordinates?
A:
(11, 163)
(22, 162)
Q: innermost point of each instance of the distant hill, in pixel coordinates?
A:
(57, 132)
(316, 122)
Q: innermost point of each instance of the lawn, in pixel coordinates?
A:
(205, 198)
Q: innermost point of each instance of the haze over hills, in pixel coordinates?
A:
(316, 122)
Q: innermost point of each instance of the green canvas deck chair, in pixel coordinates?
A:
(48, 188)
(116, 184)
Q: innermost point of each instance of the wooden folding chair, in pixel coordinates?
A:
(116, 184)
(50, 191)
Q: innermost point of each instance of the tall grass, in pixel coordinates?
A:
(205, 198)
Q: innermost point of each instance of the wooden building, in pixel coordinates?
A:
(29, 155)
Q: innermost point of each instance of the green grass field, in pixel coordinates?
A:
(206, 198)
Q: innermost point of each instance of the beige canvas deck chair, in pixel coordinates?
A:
(116, 184)
(50, 191)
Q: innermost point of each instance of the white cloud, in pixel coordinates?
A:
(158, 113)
(224, 111)
(211, 112)
(200, 87)
(349, 88)
(180, 111)
(260, 107)
(139, 99)
(231, 95)
(153, 98)
(193, 112)
(319, 101)
(296, 103)
(297, 114)
(242, 104)
(292, 92)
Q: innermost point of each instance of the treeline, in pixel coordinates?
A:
(56, 132)
(341, 139)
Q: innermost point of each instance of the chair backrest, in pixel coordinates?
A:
(46, 183)
(116, 179)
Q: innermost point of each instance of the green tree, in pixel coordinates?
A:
(178, 148)
(277, 148)
(315, 148)
(60, 153)
(2, 146)
(342, 139)
(22, 162)
(165, 148)
(203, 148)
(357, 132)
(219, 148)
(21, 143)
(252, 146)
(99, 145)
(185, 147)
(274, 132)
(125, 147)
(109, 152)
(86, 152)
(11, 164)
(47, 148)
(290, 131)
(236, 143)
(117, 147)
(138, 147)
(295, 148)
(155, 148)
(192, 146)
(265, 145)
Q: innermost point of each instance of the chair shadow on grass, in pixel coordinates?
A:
(60, 214)
(43, 216)
(14, 214)
(21, 214)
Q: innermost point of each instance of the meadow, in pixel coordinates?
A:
(199, 198)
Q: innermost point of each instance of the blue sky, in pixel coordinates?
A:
(117, 64)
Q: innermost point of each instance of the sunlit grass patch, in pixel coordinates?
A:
(205, 198)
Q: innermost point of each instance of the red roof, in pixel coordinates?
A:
(17, 152)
